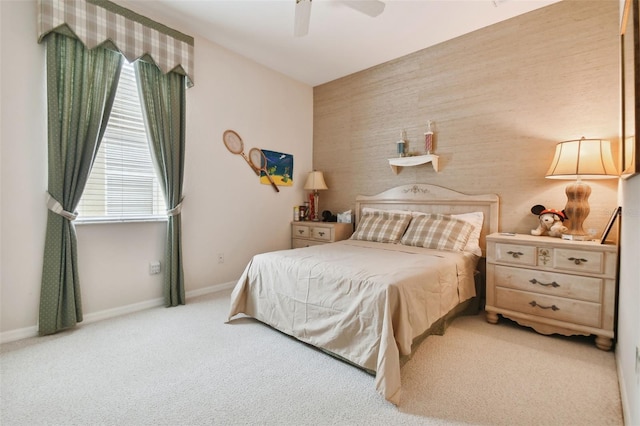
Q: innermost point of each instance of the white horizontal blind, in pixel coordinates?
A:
(123, 185)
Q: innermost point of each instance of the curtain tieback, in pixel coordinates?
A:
(56, 207)
(176, 210)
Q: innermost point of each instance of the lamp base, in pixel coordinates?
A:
(316, 201)
(577, 209)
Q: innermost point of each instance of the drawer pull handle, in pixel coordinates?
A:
(552, 307)
(515, 254)
(300, 231)
(578, 260)
(321, 233)
(551, 284)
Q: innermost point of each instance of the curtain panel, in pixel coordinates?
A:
(81, 87)
(101, 22)
(163, 101)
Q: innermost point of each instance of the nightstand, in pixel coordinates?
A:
(305, 234)
(553, 285)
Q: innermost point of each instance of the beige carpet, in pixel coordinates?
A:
(184, 366)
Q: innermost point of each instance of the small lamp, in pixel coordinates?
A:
(578, 159)
(315, 182)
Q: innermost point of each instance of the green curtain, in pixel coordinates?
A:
(163, 104)
(81, 87)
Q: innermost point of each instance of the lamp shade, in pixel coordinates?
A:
(315, 181)
(584, 158)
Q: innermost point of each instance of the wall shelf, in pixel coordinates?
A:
(397, 163)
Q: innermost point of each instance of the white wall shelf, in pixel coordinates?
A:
(397, 163)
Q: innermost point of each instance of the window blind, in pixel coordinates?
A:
(123, 184)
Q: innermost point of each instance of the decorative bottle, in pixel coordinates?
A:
(400, 144)
(428, 139)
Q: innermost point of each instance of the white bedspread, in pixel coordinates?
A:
(363, 301)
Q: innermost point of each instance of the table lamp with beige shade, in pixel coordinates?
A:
(581, 159)
(315, 182)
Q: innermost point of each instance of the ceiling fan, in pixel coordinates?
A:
(372, 8)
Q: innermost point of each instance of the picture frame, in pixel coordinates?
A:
(630, 66)
(279, 166)
(612, 220)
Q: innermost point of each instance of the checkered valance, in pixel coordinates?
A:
(98, 22)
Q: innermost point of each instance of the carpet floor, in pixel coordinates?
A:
(185, 366)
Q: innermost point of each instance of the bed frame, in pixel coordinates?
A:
(435, 199)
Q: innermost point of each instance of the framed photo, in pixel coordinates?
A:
(630, 54)
(607, 228)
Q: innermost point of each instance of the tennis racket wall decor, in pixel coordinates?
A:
(234, 144)
(256, 160)
(259, 162)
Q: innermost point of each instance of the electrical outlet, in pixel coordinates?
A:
(220, 257)
(154, 267)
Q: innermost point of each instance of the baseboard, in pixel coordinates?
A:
(24, 333)
(624, 398)
(121, 310)
(211, 289)
(18, 334)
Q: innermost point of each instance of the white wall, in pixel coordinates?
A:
(226, 210)
(628, 333)
(629, 301)
(23, 165)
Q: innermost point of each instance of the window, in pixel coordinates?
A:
(123, 184)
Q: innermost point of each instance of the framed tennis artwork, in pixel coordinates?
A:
(278, 168)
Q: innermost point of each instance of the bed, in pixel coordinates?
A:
(408, 269)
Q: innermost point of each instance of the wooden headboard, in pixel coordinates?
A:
(434, 199)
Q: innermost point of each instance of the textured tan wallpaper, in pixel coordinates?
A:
(500, 98)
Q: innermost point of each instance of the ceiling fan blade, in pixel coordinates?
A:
(372, 8)
(302, 15)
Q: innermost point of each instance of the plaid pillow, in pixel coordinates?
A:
(382, 227)
(437, 231)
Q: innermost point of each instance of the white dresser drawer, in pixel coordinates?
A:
(579, 261)
(557, 308)
(300, 231)
(298, 243)
(561, 285)
(321, 233)
(516, 254)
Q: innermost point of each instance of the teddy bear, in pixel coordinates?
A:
(550, 221)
